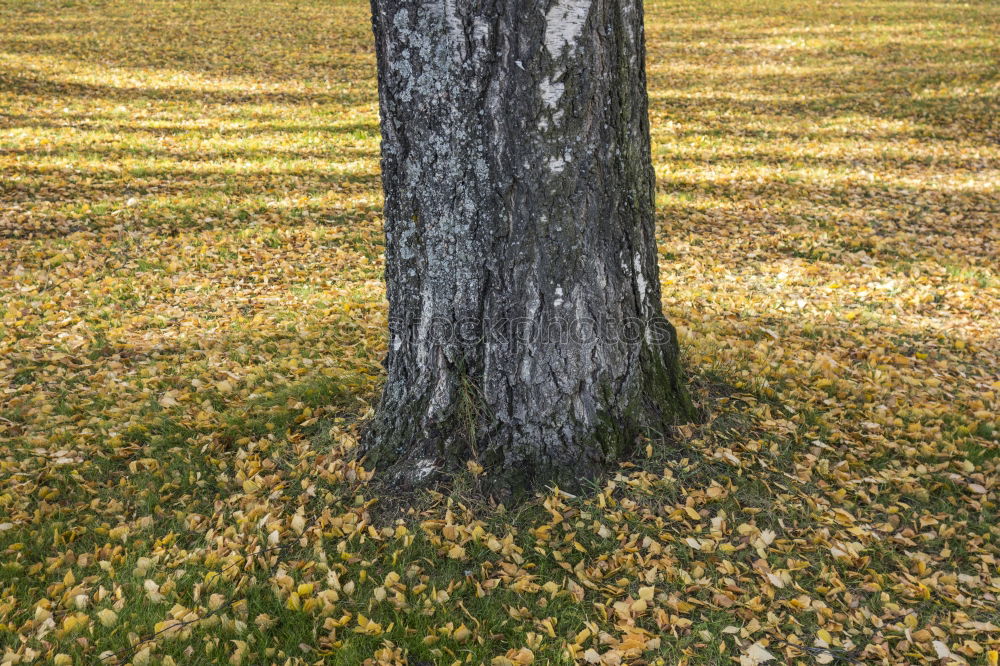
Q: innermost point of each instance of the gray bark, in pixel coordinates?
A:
(526, 329)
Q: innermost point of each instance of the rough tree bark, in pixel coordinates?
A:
(526, 329)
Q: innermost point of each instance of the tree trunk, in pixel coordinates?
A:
(526, 329)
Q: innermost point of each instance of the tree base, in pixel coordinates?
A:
(519, 458)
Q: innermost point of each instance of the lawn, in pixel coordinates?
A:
(192, 321)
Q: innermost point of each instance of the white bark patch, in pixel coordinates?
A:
(556, 164)
(637, 264)
(552, 91)
(424, 327)
(441, 396)
(533, 305)
(628, 13)
(451, 18)
(423, 468)
(643, 300)
(563, 25)
(480, 29)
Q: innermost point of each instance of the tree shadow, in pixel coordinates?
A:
(111, 124)
(29, 83)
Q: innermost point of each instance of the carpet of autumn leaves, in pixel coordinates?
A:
(192, 322)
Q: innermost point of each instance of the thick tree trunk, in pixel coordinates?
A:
(525, 317)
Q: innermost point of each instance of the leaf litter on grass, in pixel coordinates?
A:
(192, 320)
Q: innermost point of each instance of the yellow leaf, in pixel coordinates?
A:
(523, 656)
(152, 591)
(167, 400)
(755, 654)
(942, 650)
(298, 522)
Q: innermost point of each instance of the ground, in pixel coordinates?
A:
(192, 322)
